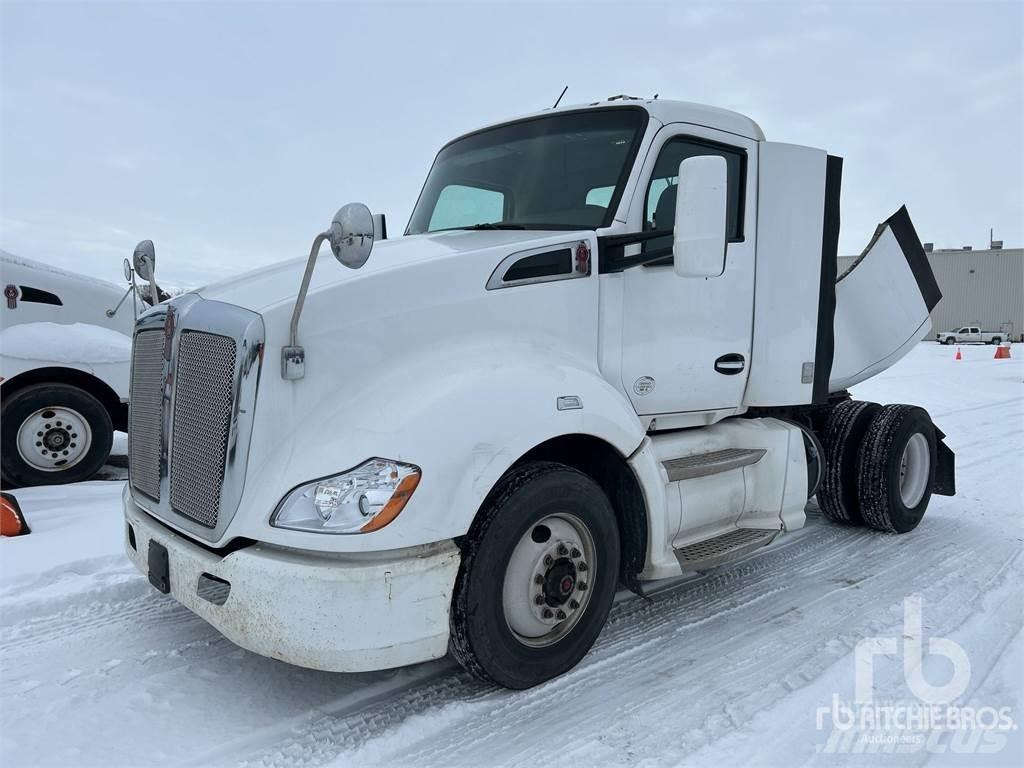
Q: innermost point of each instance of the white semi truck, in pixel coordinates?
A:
(609, 348)
(65, 349)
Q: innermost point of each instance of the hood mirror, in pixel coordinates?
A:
(127, 270)
(352, 234)
(144, 260)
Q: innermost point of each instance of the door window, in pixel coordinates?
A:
(660, 204)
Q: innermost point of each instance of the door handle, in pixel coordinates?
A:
(730, 364)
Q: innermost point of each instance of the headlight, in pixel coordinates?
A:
(360, 500)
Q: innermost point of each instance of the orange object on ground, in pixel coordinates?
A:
(958, 355)
(12, 522)
(1002, 353)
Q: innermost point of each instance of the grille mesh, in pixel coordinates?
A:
(203, 394)
(146, 400)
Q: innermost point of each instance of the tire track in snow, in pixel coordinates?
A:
(752, 586)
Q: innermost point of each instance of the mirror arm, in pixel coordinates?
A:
(112, 312)
(293, 357)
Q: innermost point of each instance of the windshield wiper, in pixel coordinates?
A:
(499, 225)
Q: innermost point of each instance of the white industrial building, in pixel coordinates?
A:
(979, 287)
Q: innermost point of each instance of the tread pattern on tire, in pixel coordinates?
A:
(838, 492)
(872, 476)
(459, 644)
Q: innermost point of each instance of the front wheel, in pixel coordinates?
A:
(949, 340)
(52, 434)
(539, 573)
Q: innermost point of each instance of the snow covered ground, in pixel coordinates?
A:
(726, 668)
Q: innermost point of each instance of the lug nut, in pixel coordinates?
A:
(581, 566)
(560, 614)
(547, 613)
(539, 600)
(562, 550)
(582, 586)
(575, 553)
(573, 605)
(548, 560)
(538, 579)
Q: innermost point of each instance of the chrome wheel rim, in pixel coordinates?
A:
(54, 438)
(915, 468)
(549, 580)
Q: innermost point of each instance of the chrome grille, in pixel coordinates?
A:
(146, 401)
(204, 387)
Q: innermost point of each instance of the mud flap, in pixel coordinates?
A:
(945, 467)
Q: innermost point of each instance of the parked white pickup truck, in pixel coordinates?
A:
(610, 348)
(971, 334)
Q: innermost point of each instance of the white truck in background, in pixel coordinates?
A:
(610, 348)
(65, 349)
(971, 334)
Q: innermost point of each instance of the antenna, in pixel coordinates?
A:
(559, 99)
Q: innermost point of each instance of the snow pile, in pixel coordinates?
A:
(65, 343)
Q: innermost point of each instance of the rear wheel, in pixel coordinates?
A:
(996, 340)
(897, 468)
(539, 573)
(52, 434)
(846, 426)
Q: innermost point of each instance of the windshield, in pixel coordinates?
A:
(563, 171)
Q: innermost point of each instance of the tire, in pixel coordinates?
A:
(949, 340)
(846, 426)
(508, 535)
(66, 419)
(996, 340)
(893, 495)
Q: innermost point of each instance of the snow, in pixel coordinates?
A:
(65, 343)
(725, 668)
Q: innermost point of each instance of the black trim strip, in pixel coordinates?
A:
(824, 346)
(611, 251)
(903, 229)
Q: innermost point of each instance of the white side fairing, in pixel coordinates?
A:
(882, 304)
(791, 202)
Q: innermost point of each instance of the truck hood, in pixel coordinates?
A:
(269, 286)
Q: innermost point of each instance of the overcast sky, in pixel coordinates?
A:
(229, 133)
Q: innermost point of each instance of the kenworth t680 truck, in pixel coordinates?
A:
(610, 347)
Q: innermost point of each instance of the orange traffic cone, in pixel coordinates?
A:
(1002, 352)
(12, 522)
(958, 355)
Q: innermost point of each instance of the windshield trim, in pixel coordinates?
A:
(620, 184)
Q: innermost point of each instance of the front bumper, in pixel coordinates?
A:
(340, 613)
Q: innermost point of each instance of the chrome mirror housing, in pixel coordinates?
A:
(144, 260)
(351, 235)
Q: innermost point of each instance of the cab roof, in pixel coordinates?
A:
(665, 111)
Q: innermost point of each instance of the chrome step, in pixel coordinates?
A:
(711, 552)
(703, 464)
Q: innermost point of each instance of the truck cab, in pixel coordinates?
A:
(610, 347)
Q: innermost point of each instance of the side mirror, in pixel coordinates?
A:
(127, 270)
(351, 235)
(699, 241)
(144, 260)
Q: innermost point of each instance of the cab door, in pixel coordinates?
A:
(686, 341)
